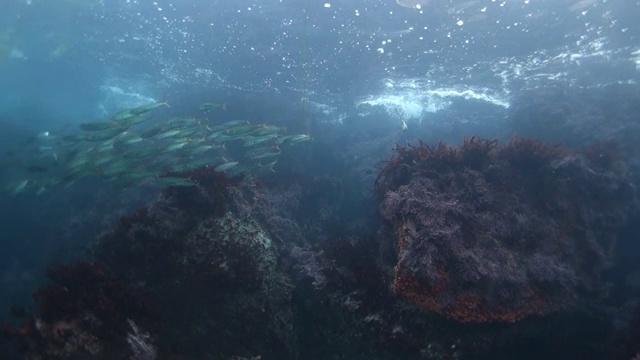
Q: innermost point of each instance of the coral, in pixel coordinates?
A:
(487, 232)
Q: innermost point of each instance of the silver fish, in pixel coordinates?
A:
(210, 106)
(148, 107)
(226, 166)
(98, 125)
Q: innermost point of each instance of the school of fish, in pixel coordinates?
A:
(134, 147)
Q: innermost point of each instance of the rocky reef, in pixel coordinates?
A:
(468, 244)
(86, 313)
(487, 232)
(210, 267)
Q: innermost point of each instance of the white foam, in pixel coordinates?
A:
(119, 94)
(411, 99)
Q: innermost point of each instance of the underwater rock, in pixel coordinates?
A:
(210, 266)
(487, 232)
(85, 313)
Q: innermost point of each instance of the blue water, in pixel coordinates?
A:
(338, 70)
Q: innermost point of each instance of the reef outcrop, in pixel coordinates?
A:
(210, 266)
(301, 266)
(487, 232)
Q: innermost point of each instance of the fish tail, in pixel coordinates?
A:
(224, 106)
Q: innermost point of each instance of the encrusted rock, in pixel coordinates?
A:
(487, 232)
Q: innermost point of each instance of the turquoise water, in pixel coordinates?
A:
(358, 77)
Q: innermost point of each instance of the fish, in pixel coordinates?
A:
(79, 162)
(191, 165)
(98, 126)
(293, 139)
(140, 153)
(264, 155)
(176, 145)
(259, 140)
(124, 115)
(134, 175)
(210, 106)
(74, 137)
(41, 190)
(103, 161)
(224, 138)
(191, 131)
(239, 130)
(262, 150)
(182, 122)
(174, 181)
(19, 187)
(148, 107)
(152, 132)
(226, 166)
(127, 139)
(231, 123)
(95, 136)
(167, 134)
(218, 135)
(117, 149)
(267, 130)
(300, 138)
(116, 168)
(105, 146)
(137, 119)
(269, 166)
(204, 148)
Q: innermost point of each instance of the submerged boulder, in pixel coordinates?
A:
(486, 232)
(211, 269)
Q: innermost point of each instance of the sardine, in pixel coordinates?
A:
(18, 188)
(226, 166)
(174, 181)
(210, 106)
(148, 107)
(259, 140)
(124, 115)
(98, 126)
